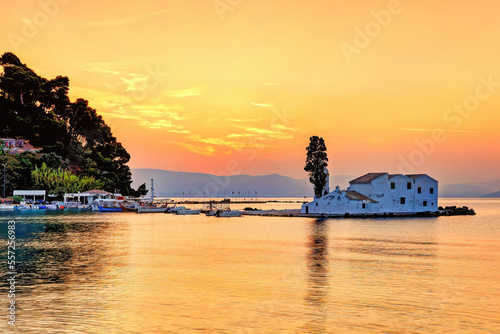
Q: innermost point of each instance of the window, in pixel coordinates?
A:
(419, 190)
(403, 200)
(363, 205)
(431, 190)
(408, 185)
(393, 185)
(425, 203)
(316, 203)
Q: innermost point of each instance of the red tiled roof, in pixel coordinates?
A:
(367, 178)
(97, 191)
(416, 176)
(354, 195)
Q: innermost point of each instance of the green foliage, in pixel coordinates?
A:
(59, 181)
(141, 191)
(17, 199)
(71, 134)
(316, 162)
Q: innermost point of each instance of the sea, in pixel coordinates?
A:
(88, 272)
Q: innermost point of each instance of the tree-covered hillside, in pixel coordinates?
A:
(71, 134)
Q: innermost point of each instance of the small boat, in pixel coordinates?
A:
(150, 206)
(151, 209)
(212, 213)
(6, 207)
(109, 209)
(126, 208)
(49, 207)
(229, 213)
(107, 205)
(181, 210)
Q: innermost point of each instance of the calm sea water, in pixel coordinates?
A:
(159, 273)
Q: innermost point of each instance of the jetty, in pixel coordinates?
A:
(447, 211)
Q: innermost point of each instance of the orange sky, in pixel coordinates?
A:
(240, 87)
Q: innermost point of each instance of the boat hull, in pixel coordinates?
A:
(151, 210)
(230, 214)
(188, 212)
(103, 209)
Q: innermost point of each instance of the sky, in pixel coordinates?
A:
(239, 86)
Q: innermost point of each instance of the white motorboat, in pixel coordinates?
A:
(6, 207)
(181, 210)
(229, 213)
(151, 209)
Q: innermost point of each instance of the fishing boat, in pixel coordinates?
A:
(6, 207)
(151, 209)
(212, 213)
(182, 210)
(128, 208)
(107, 205)
(150, 206)
(229, 213)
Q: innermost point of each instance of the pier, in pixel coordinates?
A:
(448, 211)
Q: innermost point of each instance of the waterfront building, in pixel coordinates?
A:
(380, 193)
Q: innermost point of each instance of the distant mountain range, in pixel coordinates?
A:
(183, 184)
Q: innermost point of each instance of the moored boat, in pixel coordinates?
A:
(229, 213)
(107, 205)
(181, 210)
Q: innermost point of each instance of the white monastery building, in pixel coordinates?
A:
(380, 193)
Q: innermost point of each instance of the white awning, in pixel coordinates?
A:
(29, 192)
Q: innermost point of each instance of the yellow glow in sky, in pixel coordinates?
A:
(201, 85)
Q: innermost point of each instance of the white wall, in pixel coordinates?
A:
(426, 183)
(337, 203)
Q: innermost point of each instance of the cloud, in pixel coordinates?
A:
(134, 81)
(436, 129)
(160, 124)
(203, 150)
(212, 140)
(184, 93)
(263, 105)
(114, 22)
(245, 120)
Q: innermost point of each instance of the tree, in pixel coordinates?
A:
(316, 162)
(72, 135)
(141, 191)
(59, 181)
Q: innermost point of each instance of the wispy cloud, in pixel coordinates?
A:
(244, 120)
(160, 124)
(263, 105)
(114, 22)
(274, 132)
(203, 150)
(134, 81)
(434, 129)
(213, 140)
(184, 92)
